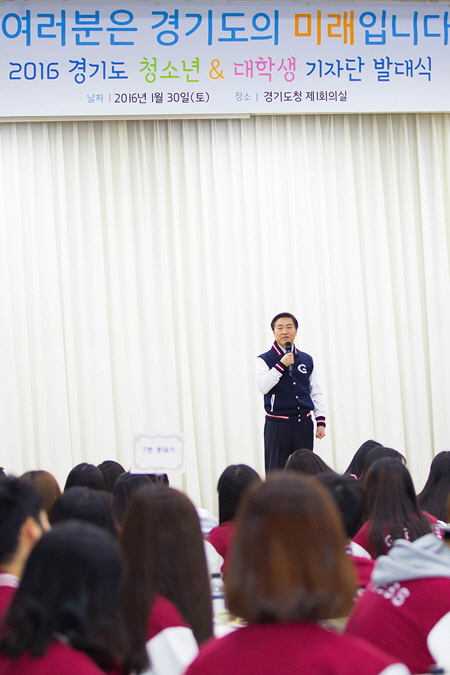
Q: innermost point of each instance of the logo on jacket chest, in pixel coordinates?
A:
(302, 368)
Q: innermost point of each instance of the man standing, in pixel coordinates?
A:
(287, 379)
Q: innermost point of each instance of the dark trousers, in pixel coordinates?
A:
(281, 439)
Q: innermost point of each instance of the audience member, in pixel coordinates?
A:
(22, 523)
(166, 592)
(47, 486)
(83, 503)
(356, 466)
(288, 571)
(124, 487)
(434, 495)
(350, 498)
(159, 478)
(64, 617)
(213, 558)
(307, 462)
(392, 511)
(111, 471)
(380, 452)
(207, 520)
(405, 610)
(85, 474)
(232, 484)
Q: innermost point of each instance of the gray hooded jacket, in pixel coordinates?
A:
(424, 558)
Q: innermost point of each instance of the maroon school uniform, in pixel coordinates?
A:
(221, 538)
(301, 648)
(364, 568)
(59, 659)
(405, 610)
(398, 619)
(8, 586)
(171, 644)
(363, 539)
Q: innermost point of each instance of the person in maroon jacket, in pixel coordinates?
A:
(22, 523)
(288, 572)
(349, 497)
(166, 595)
(405, 610)
(65, 617)
(392, 510)
(232, 484)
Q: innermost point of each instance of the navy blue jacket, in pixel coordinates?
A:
(291, 396)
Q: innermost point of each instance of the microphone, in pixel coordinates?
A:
(288, 348)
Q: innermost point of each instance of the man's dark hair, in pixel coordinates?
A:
(284, 315)
(19, 500)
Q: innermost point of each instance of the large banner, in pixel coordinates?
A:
(135, 59)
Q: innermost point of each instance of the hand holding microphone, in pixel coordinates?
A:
(288, 358)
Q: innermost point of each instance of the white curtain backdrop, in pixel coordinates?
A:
(142, 261)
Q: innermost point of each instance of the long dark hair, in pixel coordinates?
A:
(380, 452)
(356, 466)
(231, 485)
(70, 587)
(391, 504)
(111, 470)
(83, 503)
(124, 487)
(306, 461)
(164, 554)
(436, 490)
(85, 474)
(19, 500)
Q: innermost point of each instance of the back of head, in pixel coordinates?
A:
(356, 466)
(82, 503)
(163, 547)
(349, 497)
(391, 503)
(19, 500)
(87, 475)
(111, 470)
(232, 484)
(307, 462)
(159, 478)
(69, 588)
(436, 490)
(288, 561)
(387, 484)
(380, 452)
(47, 486)
(124, 487)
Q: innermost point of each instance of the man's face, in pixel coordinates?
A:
(284, 331)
